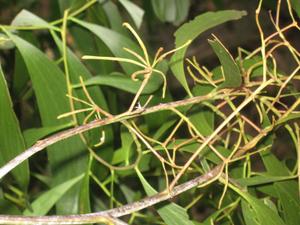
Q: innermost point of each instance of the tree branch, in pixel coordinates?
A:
(42, 144)
(109, 215)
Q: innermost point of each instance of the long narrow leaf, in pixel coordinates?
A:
(171, 213)
(67, 158)
(232, 74)
(11, 139)
(47, 200)
(134, 11)
(259, 213)
(114, 41)
(190, 30)
(124, 83)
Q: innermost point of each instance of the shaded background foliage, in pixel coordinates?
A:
(156, 28)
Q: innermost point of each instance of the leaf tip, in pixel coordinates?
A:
(244, 13)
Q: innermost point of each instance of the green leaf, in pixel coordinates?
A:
(64, 4)
(164, 128)
(289, 200)
(67, 158)
(88, 44)
(77, 69)
(182, 11)
(105, 14)
(11, 139)
(203, 119)
(47, 200)
(26, 18)
(232, 75)
(268, 189)
(5, 42)
(190, 30)
(273, 166)
(256, 212)
(21, 77)
(123, 154)
(114, 17)
(134, 11)
(214, 216)
(160, 9)
(84, 197)
(285, 119)
(252, 64)
(171, 213)
(114, 41)
(154, 121)
(296, 6)
(259, 212)
(174, 11)
(123, 82)
(287, 191)
(6, 207)
(128, 193)
(249, 214)
(32, 135)
(211, 156)
(261, 179)
(208, 116)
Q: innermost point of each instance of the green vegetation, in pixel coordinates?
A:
(99, 126)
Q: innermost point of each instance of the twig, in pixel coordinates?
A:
(42, 144)
(57, 220)
(218, 129)
(111, 214)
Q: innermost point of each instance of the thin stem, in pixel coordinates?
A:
(109, 216)
(218, 129)
(42, 144)
(139, 92)
(141, 43)
(136, 55)
(117, 59)
(160, 58)
(263, 44)
(77, 12)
